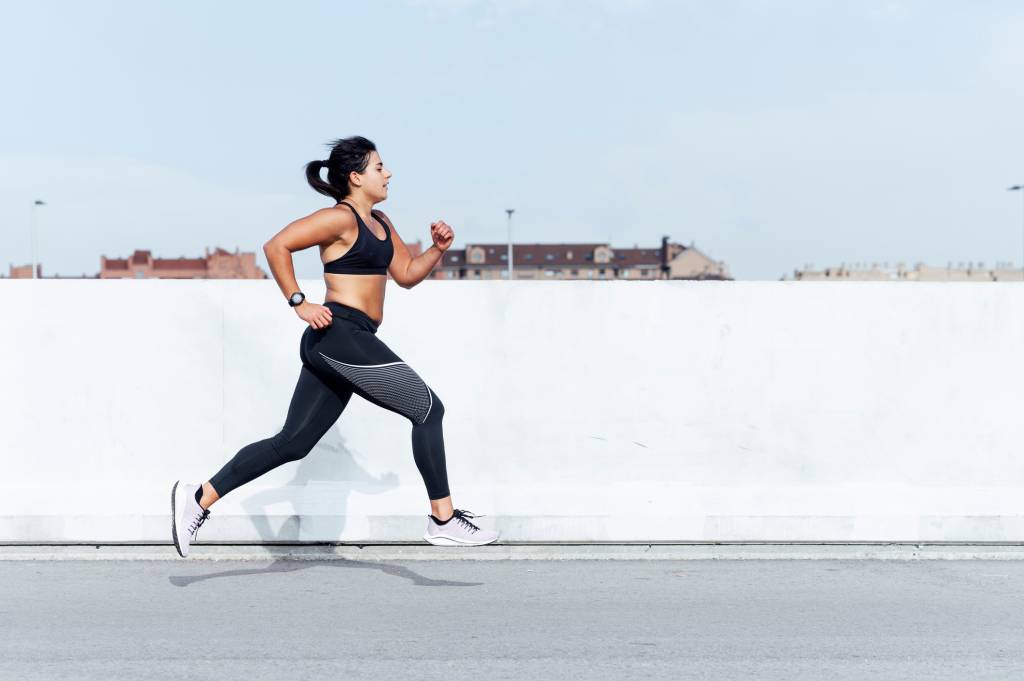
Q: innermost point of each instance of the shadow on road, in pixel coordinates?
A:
(293, 565)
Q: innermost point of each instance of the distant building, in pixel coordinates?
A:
(970, 271)
(415, 248)
(579, 261)
(25, 272)
(476, 261)
(218, 264)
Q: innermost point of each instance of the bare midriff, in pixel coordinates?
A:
(362, 291)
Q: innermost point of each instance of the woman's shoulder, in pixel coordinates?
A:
(329, 222)
(333, 214)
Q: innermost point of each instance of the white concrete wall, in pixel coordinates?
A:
(574, 411)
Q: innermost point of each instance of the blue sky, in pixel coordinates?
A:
(770, 134)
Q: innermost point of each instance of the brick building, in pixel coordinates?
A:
(218, 264)
(25, 272)
(579, 261)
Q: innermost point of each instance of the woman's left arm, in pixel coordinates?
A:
(408, 271)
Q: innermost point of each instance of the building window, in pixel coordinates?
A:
(602, 272)
(453, 258)
(504, 274)
(549, 256)
(549, 273)
(529, 256)
(574, 272)
(504, 257)
(139, 274)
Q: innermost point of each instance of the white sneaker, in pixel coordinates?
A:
(458, 531)
(186, 516)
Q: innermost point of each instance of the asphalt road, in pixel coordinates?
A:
(593, 619)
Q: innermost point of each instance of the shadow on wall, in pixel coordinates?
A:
(324, 510)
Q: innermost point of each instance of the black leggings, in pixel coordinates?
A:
(345, 358)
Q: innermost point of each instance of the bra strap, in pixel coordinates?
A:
(387, 232)
(342, 203)
(359, 219)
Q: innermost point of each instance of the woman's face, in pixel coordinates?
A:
(374, 180)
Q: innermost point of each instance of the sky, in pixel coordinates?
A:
(771, 135)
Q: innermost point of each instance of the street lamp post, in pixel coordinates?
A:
(510, 211)
(35, 206)
(1020, 188)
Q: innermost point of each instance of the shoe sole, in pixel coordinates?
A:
(448, 541)
(174, 518)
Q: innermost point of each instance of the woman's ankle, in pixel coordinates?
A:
(209, 496)
(442, 508)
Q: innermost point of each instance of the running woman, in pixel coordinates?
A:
(340, 351)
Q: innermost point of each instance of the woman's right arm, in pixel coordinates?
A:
(324, 226)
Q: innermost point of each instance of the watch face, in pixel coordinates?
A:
(297, 298)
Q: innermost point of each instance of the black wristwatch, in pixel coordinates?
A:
(296, 298)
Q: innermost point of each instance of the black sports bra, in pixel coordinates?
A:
(368, 255)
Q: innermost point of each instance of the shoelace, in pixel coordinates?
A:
(197, 522)
(462, 518)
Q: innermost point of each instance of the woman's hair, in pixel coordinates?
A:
(347, 155)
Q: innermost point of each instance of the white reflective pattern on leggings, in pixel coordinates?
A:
(394, 384)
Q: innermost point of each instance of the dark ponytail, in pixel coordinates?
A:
(347, 156)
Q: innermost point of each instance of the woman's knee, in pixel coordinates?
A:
(436, 408)
(289, 447)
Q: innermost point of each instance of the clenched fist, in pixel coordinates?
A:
(442, 235)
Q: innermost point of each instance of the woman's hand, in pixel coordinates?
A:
(442, 235)
(318, 316)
